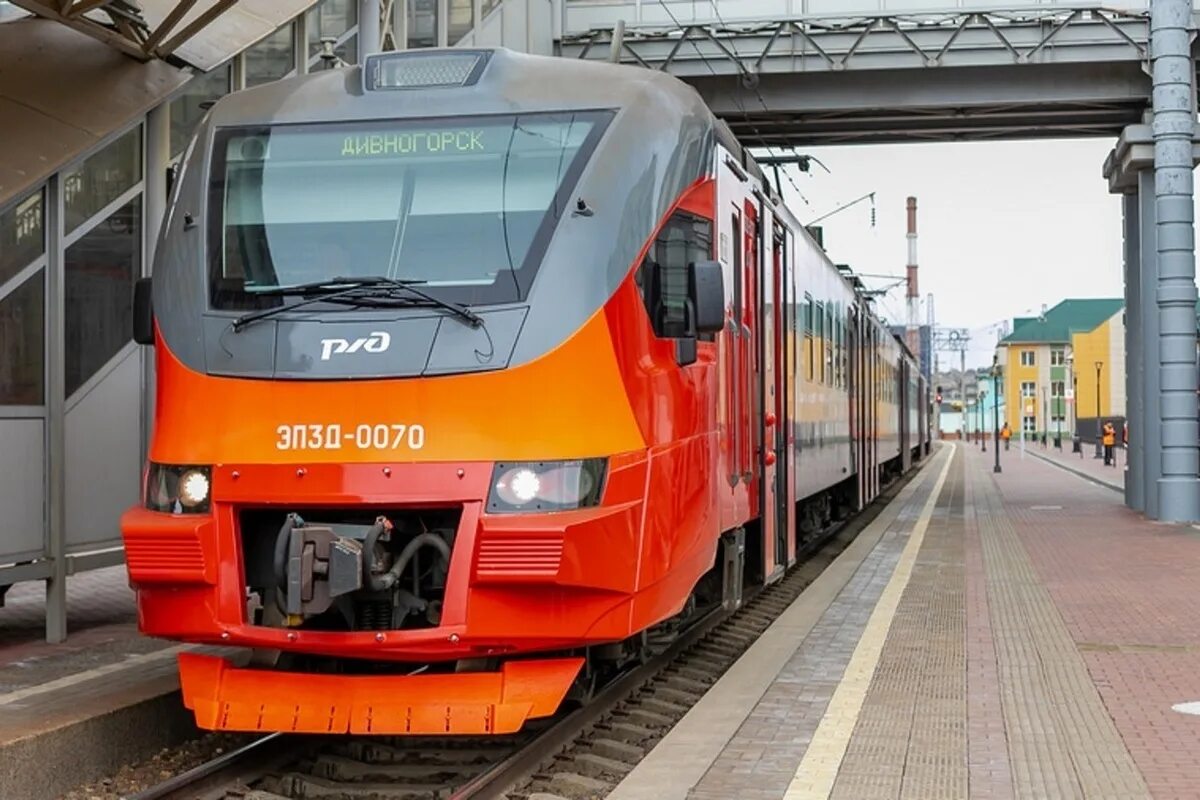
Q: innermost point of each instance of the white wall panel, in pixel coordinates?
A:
(22, 487)
(104, 459)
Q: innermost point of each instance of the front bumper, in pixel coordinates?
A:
(484, 703)
(517, 582)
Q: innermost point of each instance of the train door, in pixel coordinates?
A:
(905, 422)
(784, 296)
(857, 437)
(871, 401)
(750, 365)
(769, 391)
(731, 192)
(759, 456)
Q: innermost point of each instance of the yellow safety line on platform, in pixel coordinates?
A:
(818, 770)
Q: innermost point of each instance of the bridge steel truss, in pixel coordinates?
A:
(1041, 71)
(1049, 70)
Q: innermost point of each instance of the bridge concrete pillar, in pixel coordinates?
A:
(1135, 469)
(1174, 145)
(1130, 170)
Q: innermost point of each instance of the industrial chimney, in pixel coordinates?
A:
(912, 333)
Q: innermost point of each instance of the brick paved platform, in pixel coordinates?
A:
(74, 711)
(1020, 635)
(1084, 464)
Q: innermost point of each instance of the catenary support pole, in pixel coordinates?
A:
(962, 388)
(368, 29)
(1175, 300)
(618, 42)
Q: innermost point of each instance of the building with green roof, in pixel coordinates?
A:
(1067, 363)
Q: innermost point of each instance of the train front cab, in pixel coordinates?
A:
(702, 468)
(302, 477)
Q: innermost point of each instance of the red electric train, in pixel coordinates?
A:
(473, 367)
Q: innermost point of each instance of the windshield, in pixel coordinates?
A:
(466, 206)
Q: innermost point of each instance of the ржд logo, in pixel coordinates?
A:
(377, 342)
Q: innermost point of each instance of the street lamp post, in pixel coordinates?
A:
(1078, 446)
(1099, 450)
(1073, 421)
(996, 411)
(982, 420)
(1058, 425)
(1045, 414)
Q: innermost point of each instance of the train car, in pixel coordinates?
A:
(472, 368)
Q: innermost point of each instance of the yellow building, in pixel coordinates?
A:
(1064, 366)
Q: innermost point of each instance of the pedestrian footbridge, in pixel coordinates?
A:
(784, 72)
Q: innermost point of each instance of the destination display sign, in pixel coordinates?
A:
(414, 142)
(376, 141)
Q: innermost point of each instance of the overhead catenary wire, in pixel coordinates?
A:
(737, 100)
(844, 206)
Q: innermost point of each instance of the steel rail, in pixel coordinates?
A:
(491, 785)
(267, 751)
(500, 779)
(211, 780)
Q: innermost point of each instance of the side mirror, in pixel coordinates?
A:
(143, 312)
(706, 290)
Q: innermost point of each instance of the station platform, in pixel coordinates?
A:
(1085, 464)
(78, 710)
(1013, 635)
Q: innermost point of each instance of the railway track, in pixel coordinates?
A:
(576, 756)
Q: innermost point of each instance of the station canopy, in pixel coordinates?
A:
(75, 71)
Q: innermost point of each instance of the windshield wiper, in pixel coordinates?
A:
(330, 286)
(375, 291)
(390, 286)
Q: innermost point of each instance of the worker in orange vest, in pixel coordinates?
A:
(1110, 441)
(1006, 434)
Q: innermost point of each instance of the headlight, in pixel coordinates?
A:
(546, 485)
(178, 489)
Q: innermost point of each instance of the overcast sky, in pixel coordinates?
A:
(1003, 226)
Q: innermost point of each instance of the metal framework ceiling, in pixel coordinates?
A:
(1041, 71)
(121, 23)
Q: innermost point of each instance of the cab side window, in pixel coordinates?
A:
(663, 274)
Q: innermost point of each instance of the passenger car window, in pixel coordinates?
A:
(663, 276)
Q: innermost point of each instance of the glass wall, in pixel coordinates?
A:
(22, 236)
(272, 58)
(22, 303)
(462, 19)
(333, 18)
(100, 179)
(189, 108)
(101, 267)
(103, 254)
(22, 343)
(422, 23)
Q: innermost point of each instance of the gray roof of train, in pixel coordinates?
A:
(659, 143)
(511, 82)
(658, 114)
